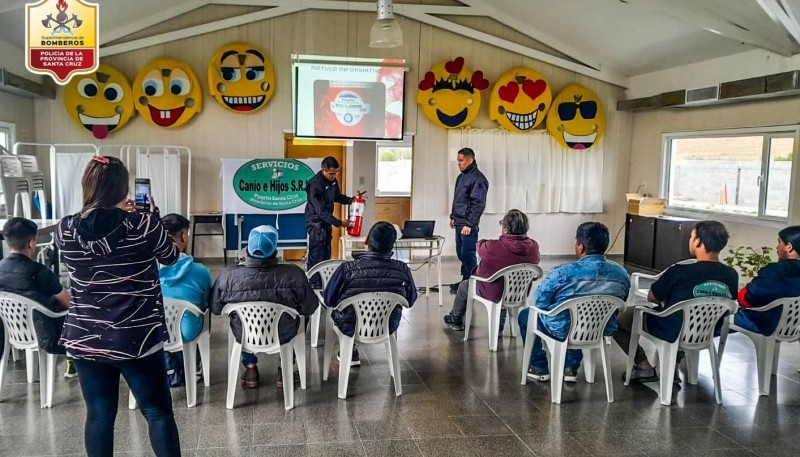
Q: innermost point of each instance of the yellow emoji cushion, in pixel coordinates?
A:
(241, 78)
(167, 93)
(449, 95)
(577, 119)
(101, 102)
(520, 99)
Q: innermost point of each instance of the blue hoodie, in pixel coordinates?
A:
(190, 281)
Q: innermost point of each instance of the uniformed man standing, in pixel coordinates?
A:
(323, 191)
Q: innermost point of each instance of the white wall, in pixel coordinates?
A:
(16, 108)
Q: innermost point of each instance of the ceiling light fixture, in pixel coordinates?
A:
(385, 32)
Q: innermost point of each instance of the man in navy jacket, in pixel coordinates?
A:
(469, 201)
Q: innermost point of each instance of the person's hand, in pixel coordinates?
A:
(452, 223)
(127, 205)
(153, 207)
(351, 224)
(465, 230)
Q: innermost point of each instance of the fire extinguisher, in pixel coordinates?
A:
(357, 206)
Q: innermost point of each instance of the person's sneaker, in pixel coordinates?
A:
(570, 374)
(639, 374)
(538, 374)
(250, 377)
(454, 287)
(454, 323)
(70, 372)
(356, 360)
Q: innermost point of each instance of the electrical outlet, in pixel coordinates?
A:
(361, 180)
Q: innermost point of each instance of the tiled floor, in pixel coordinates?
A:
(458, 399)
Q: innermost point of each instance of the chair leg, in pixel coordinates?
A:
(712, 352)
(494, 325)
(607, 372)
(16, 353)
(668, 354)
(468, 317)
(395, 360)
(528, 348)
(765, 353)
(776, 357)
(692, 366)
(300, 350)
(131, 400)
(345, 357)
(51, 375)
(330, 342)
(635, 331)
(723, 339)
(288, 376)
(30, 365)
(234, 361)
(3, 362)
(315, 318)
(204, 343)
(589, 363)
(513, 314)
(558, 356)
(388, 346)
(42, 377)
(189, 367)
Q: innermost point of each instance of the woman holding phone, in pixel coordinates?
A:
(115, 323)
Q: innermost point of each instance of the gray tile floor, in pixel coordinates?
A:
(458, 399)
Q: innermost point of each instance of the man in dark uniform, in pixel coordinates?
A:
(469, 201)
(323, 191)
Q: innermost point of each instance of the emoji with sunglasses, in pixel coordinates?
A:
(520, 99)
(449, 95)
(241, 78)
(577, 119)
(167, 93)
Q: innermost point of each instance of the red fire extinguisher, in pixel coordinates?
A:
(357, 206)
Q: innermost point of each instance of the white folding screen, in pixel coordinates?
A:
(164, 171)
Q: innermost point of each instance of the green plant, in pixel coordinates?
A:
(748, 260)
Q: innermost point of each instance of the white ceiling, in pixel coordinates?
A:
(625, 37)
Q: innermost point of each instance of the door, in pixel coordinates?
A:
(319, 149)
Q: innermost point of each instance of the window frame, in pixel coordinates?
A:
(405, 143)
(768, 132)
(11, 128)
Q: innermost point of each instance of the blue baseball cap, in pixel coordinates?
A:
(262, 241)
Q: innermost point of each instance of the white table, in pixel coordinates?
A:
(410, 246)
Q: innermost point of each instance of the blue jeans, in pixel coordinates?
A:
(249, 359)
(466, 246)
(147, 379)
(538, 356)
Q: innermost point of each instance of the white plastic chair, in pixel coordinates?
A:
(15, 187)
(372, 312)
(174, 310)
(325, 270)
(768, 346)
(517, 283)
(16, 312)
(700, 317)
(641, 282)
(589, 316)
(260, 335)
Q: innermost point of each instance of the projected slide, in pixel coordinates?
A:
(348, 101)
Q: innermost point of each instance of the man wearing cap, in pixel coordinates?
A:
(370, 271)
(262, 278)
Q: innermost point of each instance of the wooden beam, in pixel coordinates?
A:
(782, 15)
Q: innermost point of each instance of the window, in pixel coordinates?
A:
(393, 170)
(6, 135)
(747, 172)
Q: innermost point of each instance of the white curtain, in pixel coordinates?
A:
(531, 172)
(164, 172)
(69, 170)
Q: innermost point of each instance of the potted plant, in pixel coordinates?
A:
(747, 261)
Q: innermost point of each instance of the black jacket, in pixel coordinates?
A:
(469, 199)
(369, 272)
(265, 280)
(322, 193)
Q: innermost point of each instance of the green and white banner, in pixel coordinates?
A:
(266, 186)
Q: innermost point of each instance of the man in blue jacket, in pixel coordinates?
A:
(591, 274)
(371, 271)
(469, 201)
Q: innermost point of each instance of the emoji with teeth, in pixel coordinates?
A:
(101, 102)
(449, 95)
(241, 78)
(520, 99)
(577, 119)
(167, 93)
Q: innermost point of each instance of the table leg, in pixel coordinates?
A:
(439, 273)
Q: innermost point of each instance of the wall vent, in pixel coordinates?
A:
(702, 95)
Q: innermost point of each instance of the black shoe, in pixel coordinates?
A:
(454, 323)
(642, 374)
(454, 287)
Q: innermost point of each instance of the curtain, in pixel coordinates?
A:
(163, 168)
(531, 172)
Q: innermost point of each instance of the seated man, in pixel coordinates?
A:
(183, 280)
(776, 280)
(680, 282)
(263, 278)
(591, 274)
(21, 275)
(370, 271)
(511, 248)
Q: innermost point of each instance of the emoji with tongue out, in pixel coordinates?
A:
(520, 99)
(241, 78)
(101, 102)
(577, 120)
(167, 93)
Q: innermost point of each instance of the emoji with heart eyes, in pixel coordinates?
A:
(577, 119)
(520, 99)
(101, 102)
(167, 93)
(449, 95)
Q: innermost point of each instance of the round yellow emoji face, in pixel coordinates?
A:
(101, 102)
(577, 119)
(241, 78)
(167, 93)
(520, 99)
(449, 95)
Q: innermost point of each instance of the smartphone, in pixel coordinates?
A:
(142, 193)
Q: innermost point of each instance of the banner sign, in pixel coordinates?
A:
(266, 186)
(62, 38)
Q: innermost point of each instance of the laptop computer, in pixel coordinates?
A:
(418, 229)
